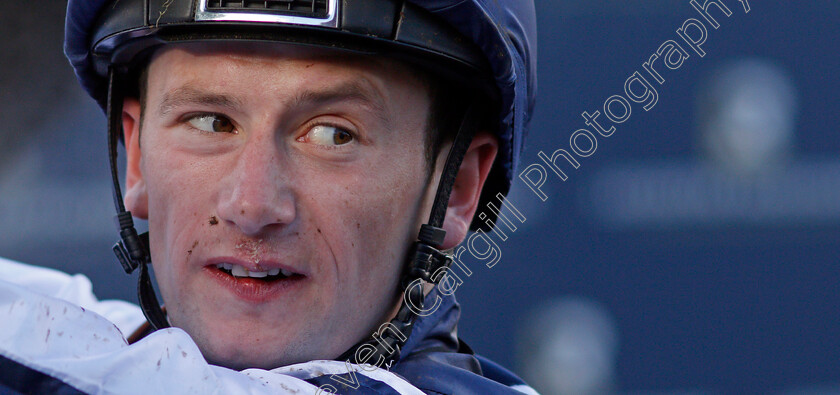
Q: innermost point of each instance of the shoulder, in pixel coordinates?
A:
(459, 373)
(49, 345)
(75, 289)
(42, 280)
(347, 378)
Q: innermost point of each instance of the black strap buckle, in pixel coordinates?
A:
(426, 260)
(128, 264)
(131, 250)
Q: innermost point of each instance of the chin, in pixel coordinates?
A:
(246, 349)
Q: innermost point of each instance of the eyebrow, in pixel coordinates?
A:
(188, 94)
(354, 90)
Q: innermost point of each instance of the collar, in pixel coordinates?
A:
(437, 330)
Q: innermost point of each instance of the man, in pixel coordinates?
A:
(286, 155)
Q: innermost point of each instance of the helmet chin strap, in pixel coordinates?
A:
(132, 250)
(423, 259)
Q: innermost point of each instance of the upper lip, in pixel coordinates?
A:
(262, 266)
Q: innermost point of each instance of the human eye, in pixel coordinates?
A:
(212, 123)
(328, 135)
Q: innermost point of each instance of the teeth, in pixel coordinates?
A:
(239, 271)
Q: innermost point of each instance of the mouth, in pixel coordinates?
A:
(240, 272)
(255, 284)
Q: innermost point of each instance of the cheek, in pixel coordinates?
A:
(395, 195)
(177, 199)
(179, 183)
(164, 182)
(374, 213)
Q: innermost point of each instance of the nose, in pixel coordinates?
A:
(256, 195)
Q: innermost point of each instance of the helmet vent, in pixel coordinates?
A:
(303, 8)
(323, 13)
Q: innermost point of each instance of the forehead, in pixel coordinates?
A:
(175, 62)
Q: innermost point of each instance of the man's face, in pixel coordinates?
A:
(277, 159)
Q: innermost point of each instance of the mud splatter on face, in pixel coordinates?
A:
(213, 220)
(251, 249)
(190, 251)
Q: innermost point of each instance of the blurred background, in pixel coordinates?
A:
(695, 252)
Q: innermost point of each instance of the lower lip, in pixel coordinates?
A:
(255, 290)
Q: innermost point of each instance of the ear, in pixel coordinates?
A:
(136, 197)
(466, 191)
